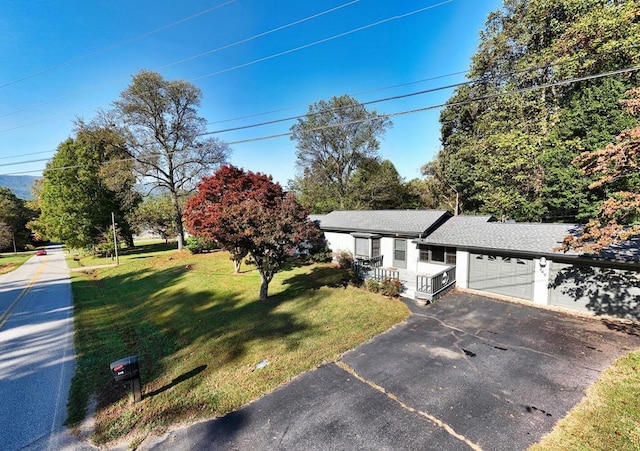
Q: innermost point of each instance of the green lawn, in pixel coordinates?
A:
(9, 262)
(608, 417)
(200, 331)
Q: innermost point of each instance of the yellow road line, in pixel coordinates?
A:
(5, 315)
(393, 397)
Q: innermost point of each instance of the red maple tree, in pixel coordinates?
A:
(247, 213)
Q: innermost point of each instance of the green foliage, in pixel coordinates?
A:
(333, 140)
(509, 144)
(198, 245)
(74, 199)
(320, 252)
(377, 186)
(163, 134)
(156, 214)
(387, 287)
(14, 216)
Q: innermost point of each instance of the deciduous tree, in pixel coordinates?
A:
(618, 166)
(216, 211)
(14, 216)
(164, 136)
(510, 134)
(247, 213)
(74, 199)
(333, 139)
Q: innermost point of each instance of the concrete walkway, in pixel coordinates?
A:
(469, 372)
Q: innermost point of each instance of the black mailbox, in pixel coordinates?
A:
(125, 369)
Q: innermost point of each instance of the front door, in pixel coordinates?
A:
(400, 253)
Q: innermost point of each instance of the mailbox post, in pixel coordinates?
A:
(128, 370)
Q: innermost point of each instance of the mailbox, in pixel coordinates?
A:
(125, 369)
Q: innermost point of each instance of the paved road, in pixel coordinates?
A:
(467, 373)
(36, 353)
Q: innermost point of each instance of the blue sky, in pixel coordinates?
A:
(67, 59)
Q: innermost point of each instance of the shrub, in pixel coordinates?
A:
(391, 287)
(321, 253)
(372, 285)
(344, 259)
(354, 278)
(197, 245)
(387, 287)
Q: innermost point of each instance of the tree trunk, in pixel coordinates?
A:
(236, 265)
(264, 289)
(178, 218)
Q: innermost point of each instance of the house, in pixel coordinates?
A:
(433, 251)
(384, 234)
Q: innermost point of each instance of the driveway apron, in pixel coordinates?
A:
(469, 372)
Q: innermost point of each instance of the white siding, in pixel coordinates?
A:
(462, 269)
(340, 242)
(541, 282)
(386, 249)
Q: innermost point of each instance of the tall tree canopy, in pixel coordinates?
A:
(333, 139)
(510, 134)
(75, 200)
(617, 166)
(164, 136)
(217, 213)
(247, 213)
(14, 216)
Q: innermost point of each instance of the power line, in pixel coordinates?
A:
(321, 41)
(117, 45)
(407, 112)
(259, 35)
(233, 44)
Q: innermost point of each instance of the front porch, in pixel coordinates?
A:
(423, 288)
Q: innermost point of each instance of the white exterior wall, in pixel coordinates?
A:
(541, 281)
(386, 249)
(340, 242)
(462, 269)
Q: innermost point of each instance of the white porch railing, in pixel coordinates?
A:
(430, 287)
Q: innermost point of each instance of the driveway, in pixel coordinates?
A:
(469, 372)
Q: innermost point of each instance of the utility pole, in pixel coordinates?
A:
(115, 239)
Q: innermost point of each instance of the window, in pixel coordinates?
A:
(438, 254)
(375, 247)
(362, 247)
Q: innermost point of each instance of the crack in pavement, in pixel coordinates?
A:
(502, 346)
(394, 398)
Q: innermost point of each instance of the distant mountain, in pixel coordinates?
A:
(20, 185)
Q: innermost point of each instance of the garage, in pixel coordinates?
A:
(509, 276)
(604, 291)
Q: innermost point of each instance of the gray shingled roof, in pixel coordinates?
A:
(404, 222)
(475, 232)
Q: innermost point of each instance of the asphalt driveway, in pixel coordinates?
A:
(469, 372)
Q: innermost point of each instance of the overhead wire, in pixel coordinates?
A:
(321, 41)
(199, 55)
(407, 112)
(250, 63)
(117, 45)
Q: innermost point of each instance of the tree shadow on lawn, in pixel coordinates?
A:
(318, 277)
(141, 313)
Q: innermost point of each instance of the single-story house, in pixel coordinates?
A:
(386, 234)
(518, 260)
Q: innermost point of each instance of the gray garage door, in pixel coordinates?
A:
(601, 290)
(509, 276)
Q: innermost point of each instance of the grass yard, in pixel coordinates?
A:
(9, 262)
(200, 332)
(608, 417)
